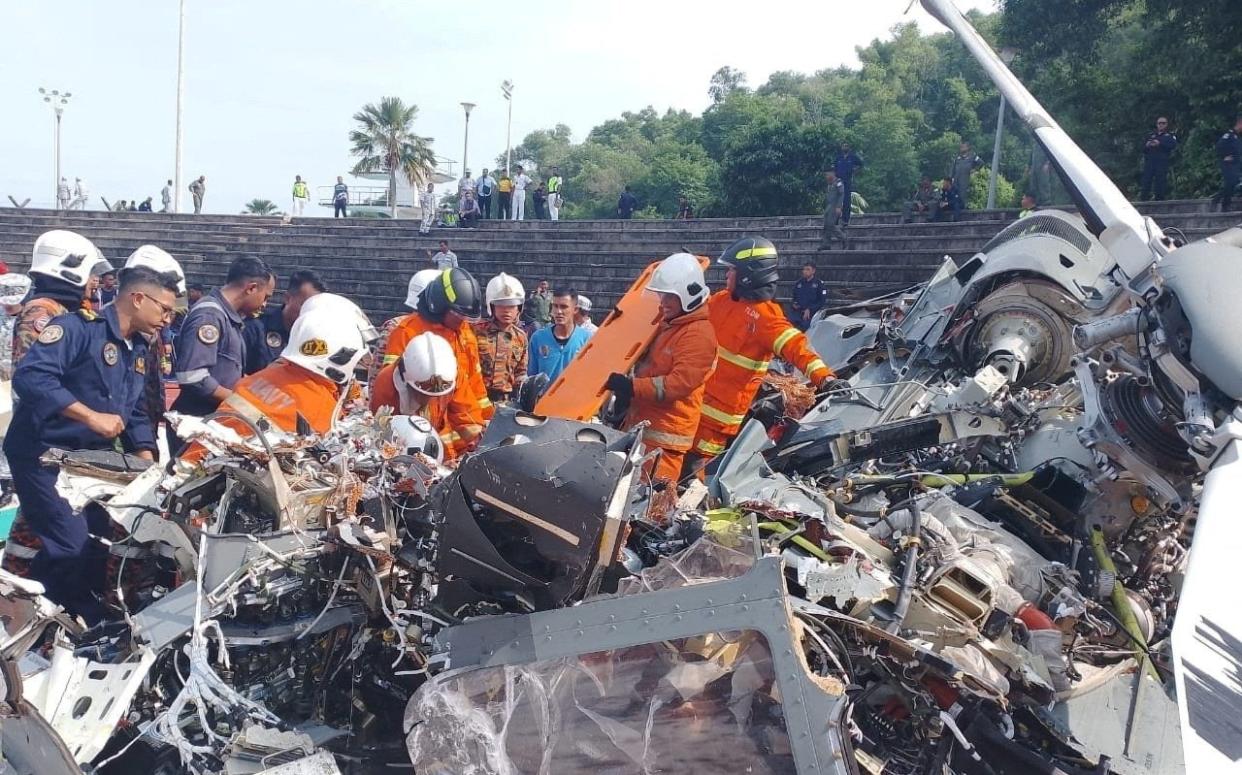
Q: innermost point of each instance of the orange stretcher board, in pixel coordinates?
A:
(579, 392)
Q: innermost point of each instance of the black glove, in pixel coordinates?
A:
(835, 387)
(621, 386)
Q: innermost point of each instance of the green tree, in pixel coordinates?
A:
(385, 141)
(261, 207)
(725, 81)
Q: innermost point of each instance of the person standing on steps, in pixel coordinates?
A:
(1158, 146)
(540, 200)
(427, 201)
(554, 194)
(444, 258)
(166, 197)
(63, 195)
(198, 189)
(340, 198)
(963, 166)
(1229, 157)
(538, 310)
(846, 163)
(520, 181)
(80, 195)
(834, 207)
(301, 195)
(486, 189)
(466, 184)
(626, 205)
(504, 202)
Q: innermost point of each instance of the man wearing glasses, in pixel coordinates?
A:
(81, 387)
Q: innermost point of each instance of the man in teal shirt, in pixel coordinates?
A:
(554, 346)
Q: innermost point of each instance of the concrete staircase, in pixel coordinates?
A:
(372, 260)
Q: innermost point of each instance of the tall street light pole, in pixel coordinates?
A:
(176, 201)
(465, 150)
(1007, 55)
(506, 88)
(58, 101)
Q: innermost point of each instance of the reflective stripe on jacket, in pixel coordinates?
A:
(670, 378)
(749, 334)
(470, 391)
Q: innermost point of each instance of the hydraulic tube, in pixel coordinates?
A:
(910, 571)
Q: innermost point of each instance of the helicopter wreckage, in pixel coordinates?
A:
(1003, 548)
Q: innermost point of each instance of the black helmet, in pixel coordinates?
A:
(755, 260)
(454, 290)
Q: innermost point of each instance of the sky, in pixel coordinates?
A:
(271, 85)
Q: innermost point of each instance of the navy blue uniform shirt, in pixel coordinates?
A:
(210, 353)
(265, 338)
(808, 294)
(1229, 145)
(82, 357)
(846, 164)
(1159, 154)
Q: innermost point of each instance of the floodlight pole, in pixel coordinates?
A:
(176, 201)
(506, 88)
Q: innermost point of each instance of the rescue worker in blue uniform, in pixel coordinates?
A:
(846, 163)
(267, 334)
(81, 387)
(1158, 146)
(210, 351)
(1229, 157)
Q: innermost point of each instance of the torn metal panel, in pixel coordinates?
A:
(754, 602)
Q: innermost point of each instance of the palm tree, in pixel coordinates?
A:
(385, 142)
(261, 207)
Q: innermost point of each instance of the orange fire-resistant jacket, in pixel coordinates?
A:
(278, 394)
(748, 335)
(469, 401)
(669, 380)
(439, 411)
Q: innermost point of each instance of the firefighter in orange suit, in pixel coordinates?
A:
(751, 329)
(311, 377)
(666, 389)
(419, 384)
(446, 307)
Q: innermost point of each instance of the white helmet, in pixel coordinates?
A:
(417, 283)
(505, 290)
(67, 256)
(415, 434)
(329, 337)
(158, 259)
(584, 304)
(680, 274)
(428, 365)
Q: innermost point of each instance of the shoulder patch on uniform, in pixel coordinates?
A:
(314, 347)
(51, 335)
(111, 354)
(140, 365)
(274, 340)
(208, 333)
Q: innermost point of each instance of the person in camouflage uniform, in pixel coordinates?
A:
(502, 342)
